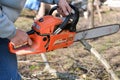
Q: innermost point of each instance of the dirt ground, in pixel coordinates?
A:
(74, 62)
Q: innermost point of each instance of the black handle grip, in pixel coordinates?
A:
(74, 16)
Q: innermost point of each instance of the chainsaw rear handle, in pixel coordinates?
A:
(74, 16)
(37, 46)
(31, 32)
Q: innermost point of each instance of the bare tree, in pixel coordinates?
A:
(91, 10)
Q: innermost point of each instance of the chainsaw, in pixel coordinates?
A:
(51, 33)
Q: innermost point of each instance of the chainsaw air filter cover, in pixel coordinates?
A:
(47, 24)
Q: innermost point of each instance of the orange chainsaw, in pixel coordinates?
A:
(51, 33)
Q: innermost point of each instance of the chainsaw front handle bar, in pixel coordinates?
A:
(74, 16)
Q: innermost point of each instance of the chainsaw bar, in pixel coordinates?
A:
(97, 32)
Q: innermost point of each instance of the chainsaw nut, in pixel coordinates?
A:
(44, 39)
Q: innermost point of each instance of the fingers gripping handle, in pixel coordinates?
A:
(38, 46)
(74, 16)
(20, 50)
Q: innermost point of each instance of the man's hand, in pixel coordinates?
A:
(64, 8)
(20, 38)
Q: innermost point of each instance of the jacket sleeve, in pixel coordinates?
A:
(8, 15)
(7, 29)
(51, 1)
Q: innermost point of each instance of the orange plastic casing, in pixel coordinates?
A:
(43, 38)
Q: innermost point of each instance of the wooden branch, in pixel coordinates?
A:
(101, 59)
(105, 64)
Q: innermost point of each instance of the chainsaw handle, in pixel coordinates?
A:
(36, 47)
(20, 50)
(52, 10)
(74, 16)
(67, 18)
(15, 50)
(31, 32)
(26, 49)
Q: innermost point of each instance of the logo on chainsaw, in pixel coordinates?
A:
(64, 40)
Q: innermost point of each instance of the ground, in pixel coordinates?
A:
(74, 62)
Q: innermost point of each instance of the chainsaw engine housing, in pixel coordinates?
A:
(43, 33)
